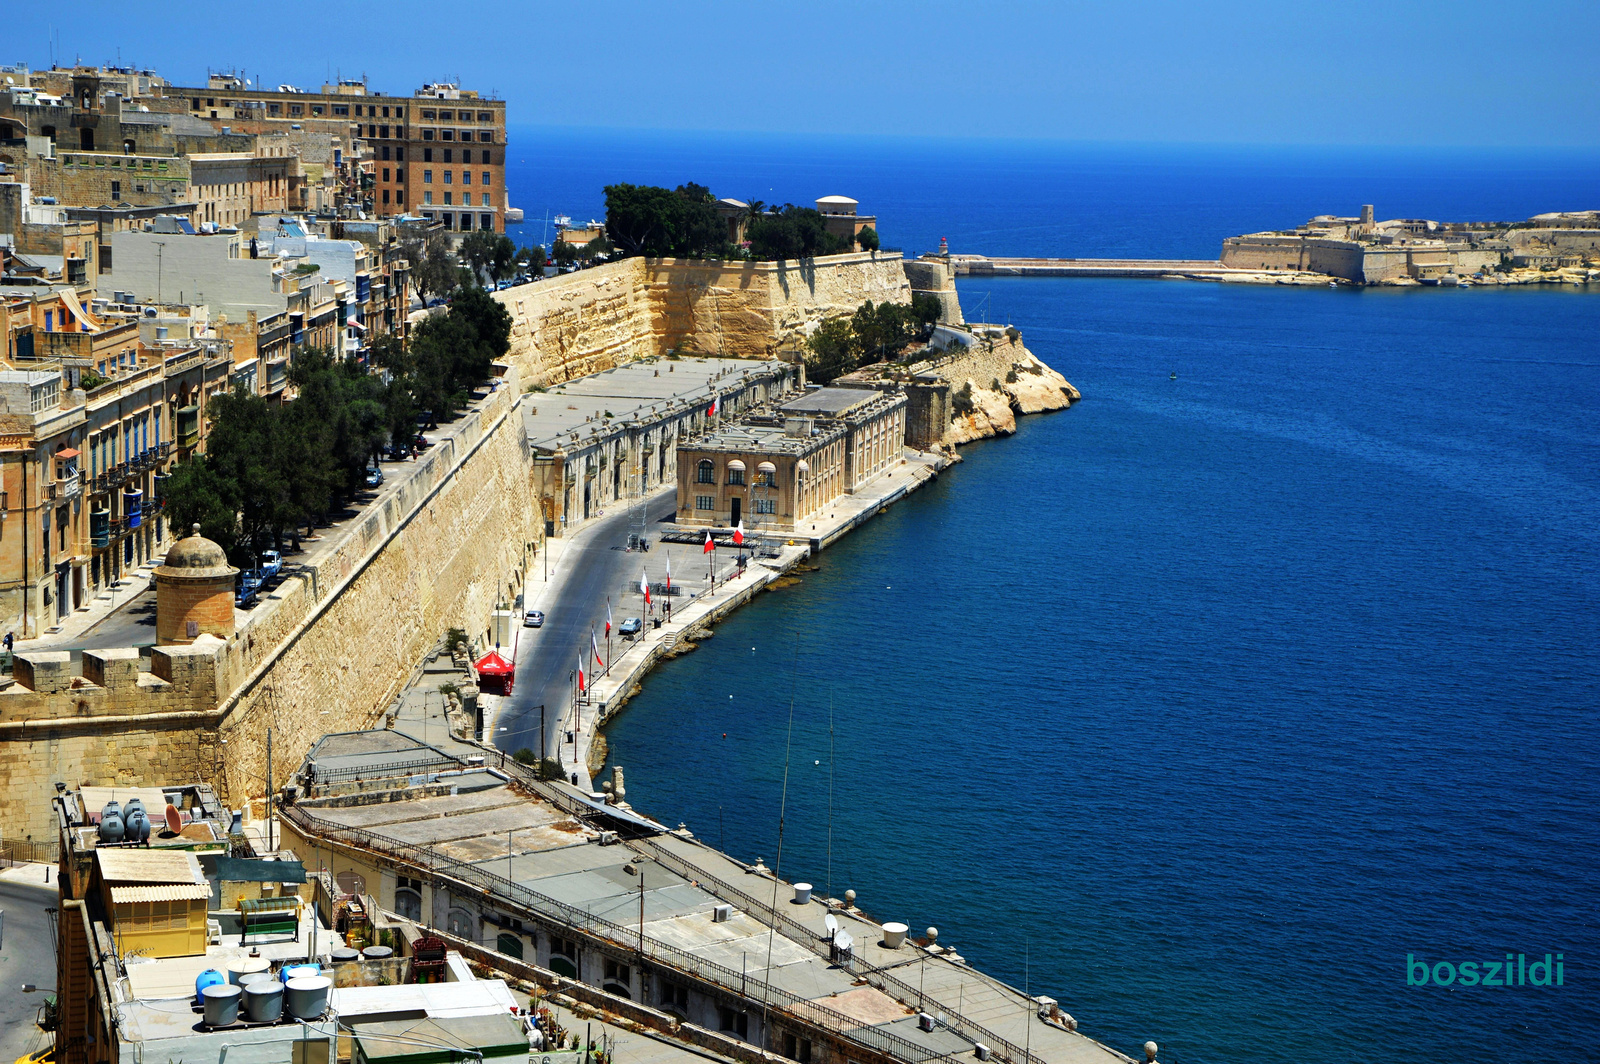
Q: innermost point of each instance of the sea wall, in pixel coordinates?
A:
(580, 323)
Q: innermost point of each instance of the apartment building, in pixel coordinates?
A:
(439, 153)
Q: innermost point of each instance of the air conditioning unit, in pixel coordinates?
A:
(608, 838)
(925, 1021)
(721, 914)
(980, 1051)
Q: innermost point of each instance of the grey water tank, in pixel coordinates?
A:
(263, 1000)
(377, 953)
(307, 996)
(221, 1004)
(344, 955)
(111, 826)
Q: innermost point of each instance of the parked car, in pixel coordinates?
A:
(374, 477)
(397, 452)
(420, 443)
(533, 619)
(252, 579)
(246, 596)
(631, 626)
(271, 563)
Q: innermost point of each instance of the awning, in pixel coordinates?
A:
(492, 664)
(736, 464)
(68, 453)
(766, 467)
(161, 892)
(238, 870)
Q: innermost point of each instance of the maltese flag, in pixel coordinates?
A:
(738, 534)
(669, 574)
(608, 618)
(713, 411)
(644, 587)
(710, 545)
(594, 645)
(582, 687)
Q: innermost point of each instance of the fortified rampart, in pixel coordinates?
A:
(331, 646)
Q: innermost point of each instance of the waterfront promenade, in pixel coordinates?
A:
(1171, 269)
(585, 567)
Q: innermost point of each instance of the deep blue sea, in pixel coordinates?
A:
(1201, 705)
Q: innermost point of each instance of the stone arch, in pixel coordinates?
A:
(563, 966)
(509, 944)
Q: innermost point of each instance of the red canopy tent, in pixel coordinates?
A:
(496, 674)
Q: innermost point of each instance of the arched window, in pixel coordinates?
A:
(706, 473)
(563, 966)
(509, 944)
(460, 923)
(351, 882)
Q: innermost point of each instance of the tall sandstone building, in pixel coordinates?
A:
(440, 153)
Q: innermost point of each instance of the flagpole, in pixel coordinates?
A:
(608, 635)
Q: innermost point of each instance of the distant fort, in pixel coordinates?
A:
(1560, 248)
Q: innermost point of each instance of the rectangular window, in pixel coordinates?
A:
(427, 134)
(486, 221)
(427, 198)
(447, 134)
(341, 109)
(372, 132)
(296, 110)
(705, 502)
(447, 155)
(427, 155)
(486, 180)
(383, 132)
(766, 480)
(449, 176)
(274, 108)
(766, 506)
(316, 110)
(386, 173)
(485, 136)
(427, 177)
(466, 177)
(386, 112)
(485, 116)
(399, 176)
(386, 195)
(466, 222)
(447, 199)
(399, 112)
(400, 196)
(427, 114)
(466, 155)
(445, 116)
(400, 155)
(736, 477)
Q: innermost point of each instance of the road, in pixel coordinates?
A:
(28, 955)
(575, 603)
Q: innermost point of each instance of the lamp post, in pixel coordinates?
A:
(161, 246)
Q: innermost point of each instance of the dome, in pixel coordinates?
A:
(194, 556)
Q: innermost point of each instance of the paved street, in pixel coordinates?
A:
(574, 602)
(28, 955)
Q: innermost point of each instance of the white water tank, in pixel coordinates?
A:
(894, 935)
(802, 893)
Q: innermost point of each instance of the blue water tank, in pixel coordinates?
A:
(209, 977)
(299, 971)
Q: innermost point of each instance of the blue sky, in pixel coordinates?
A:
(1418, 74)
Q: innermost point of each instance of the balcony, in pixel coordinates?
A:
(69, 487)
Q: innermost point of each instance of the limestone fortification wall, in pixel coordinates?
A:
(331, 647)
(764, 309)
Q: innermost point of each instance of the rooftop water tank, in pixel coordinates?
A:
(307, 997)
(263, 1001)
(209, 977)
(111, 826)
(245, 965)
(298, 971)
(221, 1004)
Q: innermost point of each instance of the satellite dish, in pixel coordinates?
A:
(831, 924)
(174, 819)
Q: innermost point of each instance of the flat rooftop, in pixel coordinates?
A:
(829, 402)
(761, 439)
(644, 391)
(530, 851)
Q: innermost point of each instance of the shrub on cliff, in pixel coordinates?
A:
(876, 332)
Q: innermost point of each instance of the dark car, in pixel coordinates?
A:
(533, 619)
(631, 626)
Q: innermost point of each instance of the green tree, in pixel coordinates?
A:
(531, 258)
(832, 351)
(196, 495)
(658, 222)
(793, 233)
(477, 250)
(867, 239)
(564, 253)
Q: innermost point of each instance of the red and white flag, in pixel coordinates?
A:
(710, 544)
(669, 574)
(713, 411)
(594, 645)
(582, 686)
(644, 587)
(738, 534)
(608, 618)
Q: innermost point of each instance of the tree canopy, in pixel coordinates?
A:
(658, 222)
(794, 233)
(874, 333)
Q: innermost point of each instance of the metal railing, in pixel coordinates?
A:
(897, 988)
(625, 938)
